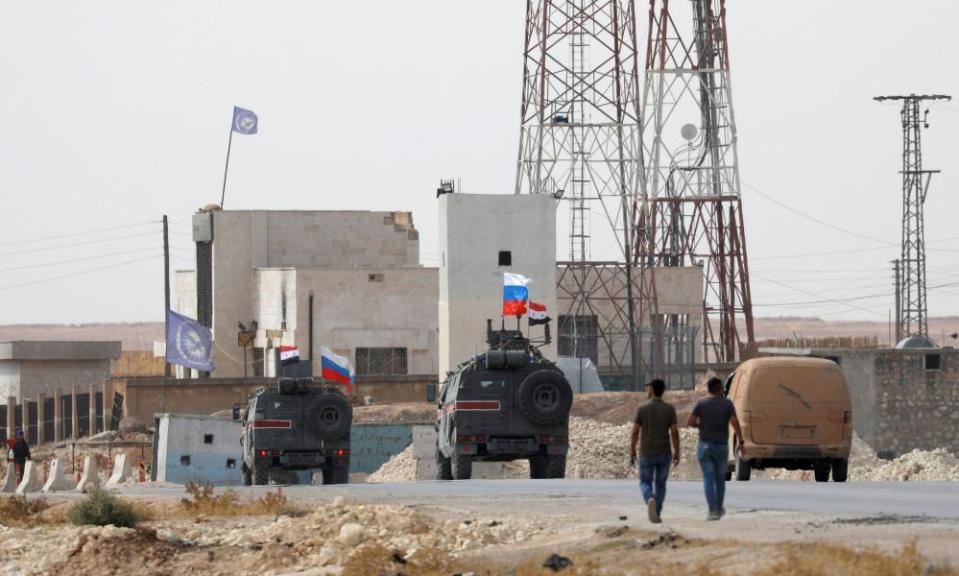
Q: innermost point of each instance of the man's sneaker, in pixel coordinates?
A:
(713, 515)
(722, 512)
(653, 510)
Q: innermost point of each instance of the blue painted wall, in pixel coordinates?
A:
(371, 445)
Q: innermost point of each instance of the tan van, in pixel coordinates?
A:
(795, 414)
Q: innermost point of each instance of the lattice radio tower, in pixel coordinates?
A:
(693, 214)
(581, 141)
(912, 312)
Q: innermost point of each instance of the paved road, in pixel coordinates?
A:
(932, 499)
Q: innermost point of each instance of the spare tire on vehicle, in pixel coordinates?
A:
(329, 415)
(545, 397)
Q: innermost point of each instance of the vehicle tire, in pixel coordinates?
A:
(537, 467)
(341, 472)
(327, 474)
(821, 473)
(556, 466)
(462, 466)
(331, 415)
(261, 475)
(840, 470)
(247, 476)
(743, 469)
(444, 470)
(545, 397)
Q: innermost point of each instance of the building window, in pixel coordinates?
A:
(231, 462)
(381, 361)
(505, 258)
(185, 460)
(208, 438)
(579, 337)
(933, 361)
(375, 277)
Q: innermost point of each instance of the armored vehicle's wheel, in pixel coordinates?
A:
(329, 415)
(821, 473)
(743, 469)
(840, 470)
(537, 467)
(462, 466)
(261, 475)
(247, 476)
(556, 466)
(444, 470)
(341, 472)
(545, 397)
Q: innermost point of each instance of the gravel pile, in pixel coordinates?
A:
(599, 450)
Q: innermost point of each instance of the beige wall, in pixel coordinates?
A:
(48, 376)
(473, 229)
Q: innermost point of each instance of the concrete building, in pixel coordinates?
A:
(902, 398)
(349, 280)
(28, 369)
(481, 237)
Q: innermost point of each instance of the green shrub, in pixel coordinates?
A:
(101, 508)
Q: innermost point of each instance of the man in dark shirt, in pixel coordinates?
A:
(21, 453)
(657, 422)
(713, 416)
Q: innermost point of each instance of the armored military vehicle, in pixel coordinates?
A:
(293, 426)
(509, 403)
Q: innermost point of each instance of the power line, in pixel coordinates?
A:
(79, 273)
(814, 295)
(75, 234)
(73, 260)
(811, 254)
(86, 243)
(817, 220)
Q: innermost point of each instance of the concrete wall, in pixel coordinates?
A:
(9, 379)
(146, 397)
(184, 455)
(473, 229)
(183, 299)
(388, 308)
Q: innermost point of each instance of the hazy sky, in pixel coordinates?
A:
(113, 113)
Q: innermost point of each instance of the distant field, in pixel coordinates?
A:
(140, 336)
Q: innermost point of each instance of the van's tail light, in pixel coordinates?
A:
(463, 437)
(342, 452)
(840, 417)
(756, 417)
(264, 453)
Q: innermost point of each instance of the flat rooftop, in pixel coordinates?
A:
(59, 350)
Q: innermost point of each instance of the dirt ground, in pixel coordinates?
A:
(324, 535)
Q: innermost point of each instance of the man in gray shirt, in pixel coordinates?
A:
(657, 422)
(713, 416)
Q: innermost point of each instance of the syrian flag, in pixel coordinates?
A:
(289, 355)
(537, 314)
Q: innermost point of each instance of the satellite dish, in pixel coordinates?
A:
(689, 131)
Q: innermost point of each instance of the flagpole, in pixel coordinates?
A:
(166, 293)
(226, 170)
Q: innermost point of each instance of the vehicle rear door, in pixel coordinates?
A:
(796, 406)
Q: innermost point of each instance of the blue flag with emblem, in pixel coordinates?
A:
(188, 343)
(245, 121)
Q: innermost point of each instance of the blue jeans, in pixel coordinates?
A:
(714, 462)
(653, 472)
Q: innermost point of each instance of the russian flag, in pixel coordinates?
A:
(336, 368)
(515, 294)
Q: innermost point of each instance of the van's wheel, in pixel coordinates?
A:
(821, 473)
(462, 466)
(261, 475)
(444, 470)
(247, 476)
(743, 469)
(332, 415)
(556, 466)
(545, 397)
(327, 474)
(537, 467)
(840, 470)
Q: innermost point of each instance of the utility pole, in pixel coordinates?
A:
(166, 290)
(911, 285)
(898, 303)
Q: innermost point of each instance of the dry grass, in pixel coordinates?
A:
(822, 558)
(17, 511)
(377, 560)
(202, 500)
